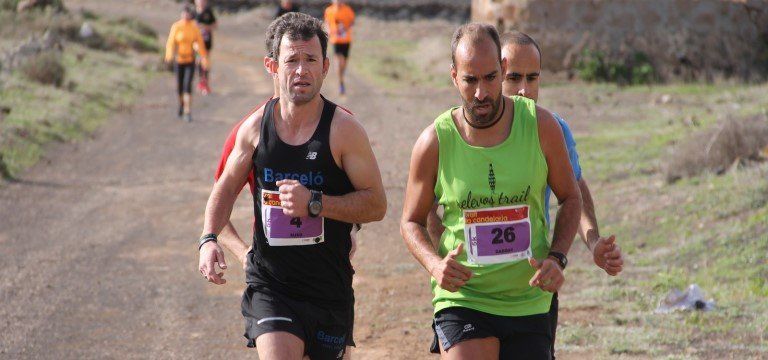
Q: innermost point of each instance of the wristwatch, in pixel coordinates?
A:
(315, 205)
(560, 257)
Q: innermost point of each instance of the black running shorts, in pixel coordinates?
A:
(326, 332)
(342, 49)
(521, 337)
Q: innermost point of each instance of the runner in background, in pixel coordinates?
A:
(206, 21)
(184, 40)
(340, 18)
(285, 7)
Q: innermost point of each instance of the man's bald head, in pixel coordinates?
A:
(518, 38)
(474, 34)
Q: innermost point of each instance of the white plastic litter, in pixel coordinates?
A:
(690, 299)
(86, 31)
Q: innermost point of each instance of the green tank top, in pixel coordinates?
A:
(488, 190)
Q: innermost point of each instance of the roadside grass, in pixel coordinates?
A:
(711, 230)
(97, 82)
(391, 64)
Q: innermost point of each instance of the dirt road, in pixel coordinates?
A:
(98, 240)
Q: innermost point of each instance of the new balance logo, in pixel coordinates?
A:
(312, 155)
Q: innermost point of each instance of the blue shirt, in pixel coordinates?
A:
(570, 145)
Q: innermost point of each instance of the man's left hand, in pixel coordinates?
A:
(294, 198)
(607, 255)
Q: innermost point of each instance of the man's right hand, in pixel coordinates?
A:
(449, 273)
(211, 254)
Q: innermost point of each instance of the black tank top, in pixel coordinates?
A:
(320, 272)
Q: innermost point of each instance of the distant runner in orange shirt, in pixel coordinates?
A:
(339, 17)
(184, 39)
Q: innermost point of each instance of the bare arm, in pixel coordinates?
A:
(549, 274)
(231, 240)
(561, 180)
(226, 189)
(223, 197)
(605, 252)
(368, 202)
(435, 226)
(588, 230)
(419, 199)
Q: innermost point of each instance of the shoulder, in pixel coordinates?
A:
(546, 119)
(249, 128)
(345, 124)
(428, 138)
(426, 151)
(549, 128)
(565, 128)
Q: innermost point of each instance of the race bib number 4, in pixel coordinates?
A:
(497, 235)
(284, 230)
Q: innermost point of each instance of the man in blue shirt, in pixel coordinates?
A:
(523, 58)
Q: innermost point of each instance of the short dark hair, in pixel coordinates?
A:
(189, 9)
(296, 26)
(475, 32)
(519, 38)
(270, 38)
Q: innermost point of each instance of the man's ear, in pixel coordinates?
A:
(273, 65)
(504, 65)
(454, 74)
(268, 64)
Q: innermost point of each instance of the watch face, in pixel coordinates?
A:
(315, 207)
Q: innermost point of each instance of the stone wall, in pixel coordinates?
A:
(452, 10)
(688, 39)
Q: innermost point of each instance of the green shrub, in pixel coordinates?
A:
(9, 5)
(45, 68)
(596, 66)
(136, 26)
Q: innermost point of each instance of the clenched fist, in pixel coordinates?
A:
(294, 198)
(449, 273)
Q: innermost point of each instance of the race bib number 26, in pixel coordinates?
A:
(497, 235)
(284, 230)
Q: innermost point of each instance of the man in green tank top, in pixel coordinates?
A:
(523, 77)
(488, 163)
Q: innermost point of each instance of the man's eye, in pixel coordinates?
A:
(514, 78)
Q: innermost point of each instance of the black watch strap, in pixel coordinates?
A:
(561, 259)
(206, 238)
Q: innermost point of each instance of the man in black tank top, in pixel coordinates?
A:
(316, 175)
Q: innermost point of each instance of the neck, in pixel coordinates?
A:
(488, 136)
(295, 116)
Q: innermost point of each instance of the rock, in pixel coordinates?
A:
(664, 99)
(691, 121)
(26, 5)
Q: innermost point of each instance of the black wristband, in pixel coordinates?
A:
(562, 260)
(206, 238)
